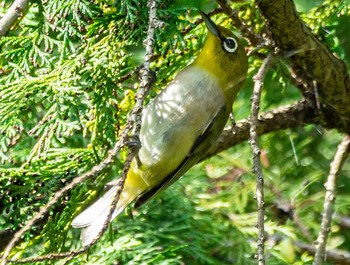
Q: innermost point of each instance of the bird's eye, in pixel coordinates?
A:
(230, 44)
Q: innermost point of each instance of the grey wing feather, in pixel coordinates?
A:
(200, 146)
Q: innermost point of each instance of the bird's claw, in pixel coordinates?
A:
(134, 144)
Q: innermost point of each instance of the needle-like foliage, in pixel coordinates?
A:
(69, 71)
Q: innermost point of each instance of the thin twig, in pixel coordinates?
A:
(254, 141)
(343, 221)
(16, 10)
(145, 77)
(70, 255)
(336, 166)
(333, 256)
(134, 122)
(112, 207)
(253, 38)
(136, 116)
(294, 115)
(289, 205)
(94, 172)
(200, 20)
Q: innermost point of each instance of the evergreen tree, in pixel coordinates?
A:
(69, 72)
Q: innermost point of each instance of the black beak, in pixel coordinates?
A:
(210, 24)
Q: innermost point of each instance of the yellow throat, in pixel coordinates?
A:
(224, 57)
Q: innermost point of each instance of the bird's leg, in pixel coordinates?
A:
(152, 76)
(232, 119)
(134, 144)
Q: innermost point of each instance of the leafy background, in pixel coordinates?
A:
(64, 96)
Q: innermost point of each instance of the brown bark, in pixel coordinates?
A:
(17, 9)
(326, 75)
(291, 116)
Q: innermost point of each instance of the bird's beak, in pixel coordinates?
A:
(210, 24)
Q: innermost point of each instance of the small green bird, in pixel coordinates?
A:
(179, 125)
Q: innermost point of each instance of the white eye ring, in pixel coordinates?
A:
(230, 44)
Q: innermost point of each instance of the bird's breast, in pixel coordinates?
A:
(173, 121)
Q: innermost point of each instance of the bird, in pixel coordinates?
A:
(178, 126)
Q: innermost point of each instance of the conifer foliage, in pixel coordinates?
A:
(69, 72)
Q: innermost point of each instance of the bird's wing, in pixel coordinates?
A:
(204, 140)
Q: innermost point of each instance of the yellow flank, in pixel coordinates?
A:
(134, 183)
(178, 126)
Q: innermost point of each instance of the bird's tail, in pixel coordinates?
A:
(93, 218)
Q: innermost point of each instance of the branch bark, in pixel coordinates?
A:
(257, 168)
(295, 115)
(95, 171)
(326, 75)
(336, 166)
(335, 256)
(247, 32)
(17, 9)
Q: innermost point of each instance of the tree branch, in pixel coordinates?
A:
(257, 169)
(248, 32)
(343, 221)
(291, 116)
(326, 76)
(16, 10)
(336, 166)
(95, 171)
(334, 256)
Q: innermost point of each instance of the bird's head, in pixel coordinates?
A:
(224, 56)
